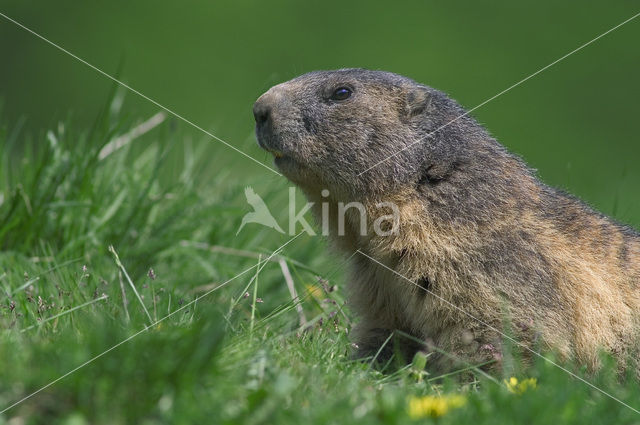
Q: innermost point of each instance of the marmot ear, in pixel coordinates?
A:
(418, 101)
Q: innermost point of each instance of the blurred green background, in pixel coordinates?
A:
(208, 61)
(170, 197)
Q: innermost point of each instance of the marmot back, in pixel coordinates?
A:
(474, 239)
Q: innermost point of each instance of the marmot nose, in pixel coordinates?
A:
(261, 111)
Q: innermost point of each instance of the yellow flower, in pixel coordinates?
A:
(520, 387)
(314, 290)
(434, 406)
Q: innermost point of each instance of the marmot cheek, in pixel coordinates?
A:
(310, 124)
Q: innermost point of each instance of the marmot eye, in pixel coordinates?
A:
(341, 93)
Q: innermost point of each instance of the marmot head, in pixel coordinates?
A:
(361, 133)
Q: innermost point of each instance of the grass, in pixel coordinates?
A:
(210, 347)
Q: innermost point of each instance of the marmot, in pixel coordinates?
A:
(485, 245)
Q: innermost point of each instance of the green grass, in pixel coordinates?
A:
(163, 202)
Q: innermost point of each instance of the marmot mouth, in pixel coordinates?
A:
(284, 161)
(287, 165)
(276, 153)
(265, 143)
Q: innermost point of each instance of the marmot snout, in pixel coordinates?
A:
(476, 229)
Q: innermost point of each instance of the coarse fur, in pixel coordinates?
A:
(480, 245)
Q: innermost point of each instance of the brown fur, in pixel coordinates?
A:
(478, 232)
